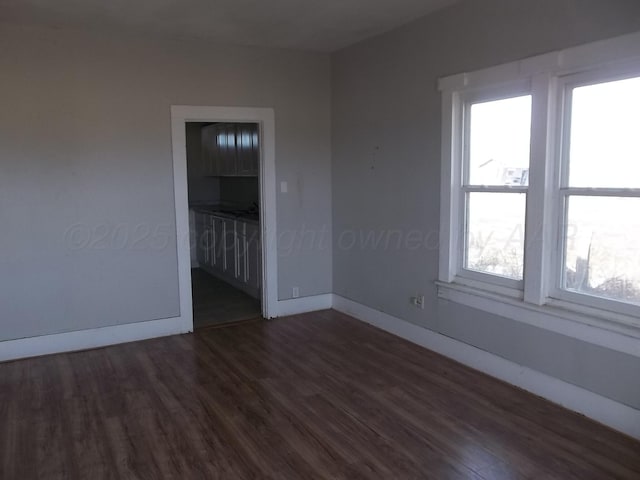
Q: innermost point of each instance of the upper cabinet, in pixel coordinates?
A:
(210, 150)
(228, 154)
(247, 149)
(230, 149)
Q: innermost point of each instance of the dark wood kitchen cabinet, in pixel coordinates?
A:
(230, 149)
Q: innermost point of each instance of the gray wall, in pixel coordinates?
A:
(85, 151)
(386, 170)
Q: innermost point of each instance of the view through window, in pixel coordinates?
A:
(497, 176)
(602, 231)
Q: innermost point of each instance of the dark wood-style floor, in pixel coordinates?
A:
(216, 302)
(316, 396)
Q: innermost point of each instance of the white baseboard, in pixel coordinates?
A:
(604, 410)
(93, 338)
(131, 332)
(304, 304)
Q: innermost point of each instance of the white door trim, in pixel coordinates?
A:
(265, 118)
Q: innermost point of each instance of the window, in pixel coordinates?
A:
(600, 190)
(541, 182)
(495, 180)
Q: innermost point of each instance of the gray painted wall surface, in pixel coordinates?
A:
(386, 170)
(85, 141)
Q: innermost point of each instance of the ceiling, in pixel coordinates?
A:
(319, 25)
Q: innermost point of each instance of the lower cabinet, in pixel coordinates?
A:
(230, 250)
(241, 252)
(229, 236)
(253, 256)
(202, 248)
(218, 242)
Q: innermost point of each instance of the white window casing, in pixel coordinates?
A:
(539, 296)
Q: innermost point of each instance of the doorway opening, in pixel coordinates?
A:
(223, 170)
(224, 179)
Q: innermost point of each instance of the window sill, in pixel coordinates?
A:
(599, 327)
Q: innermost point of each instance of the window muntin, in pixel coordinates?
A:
(600, 194)
(497, 140)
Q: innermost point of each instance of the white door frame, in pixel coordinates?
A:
(265, 118)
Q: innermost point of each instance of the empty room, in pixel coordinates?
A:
(292, 239)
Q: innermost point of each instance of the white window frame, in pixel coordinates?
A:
(565, 85)
(460, 182)
(546, 77)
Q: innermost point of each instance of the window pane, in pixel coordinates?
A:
(499, 142)
(605, 135)
(495, 233)
(603, 247)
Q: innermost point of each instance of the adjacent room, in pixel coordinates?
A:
(350, 239)
(223, 165)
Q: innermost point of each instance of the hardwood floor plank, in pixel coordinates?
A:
(333, 449)
(313, 396)
(518, 413)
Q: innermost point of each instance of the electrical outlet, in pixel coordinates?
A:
(418, 301)
(295, 292)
